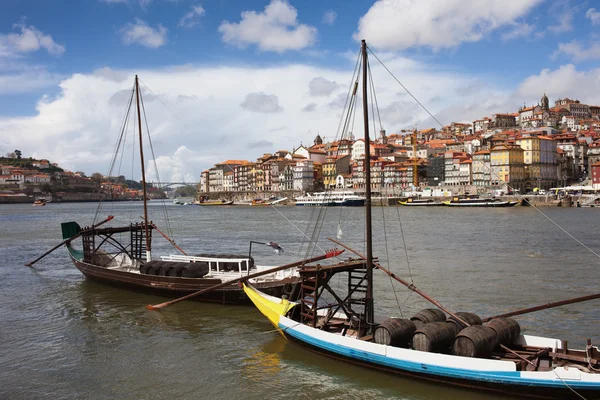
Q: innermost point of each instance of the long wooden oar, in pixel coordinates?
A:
(328, 254)
(29, 264)
(545, 306)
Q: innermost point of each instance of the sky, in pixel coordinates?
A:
(228, 79)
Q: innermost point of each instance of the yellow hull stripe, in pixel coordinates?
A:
(269, 308)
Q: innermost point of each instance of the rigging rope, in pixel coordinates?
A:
(164, 207)
(491, 170)
(116, 149)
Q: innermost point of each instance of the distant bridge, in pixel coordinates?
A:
(174, 183)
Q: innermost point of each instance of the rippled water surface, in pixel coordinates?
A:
(63, 337)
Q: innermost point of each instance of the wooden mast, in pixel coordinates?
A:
(148, 242)
(369, 311)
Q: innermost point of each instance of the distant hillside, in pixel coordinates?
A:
(28, 163)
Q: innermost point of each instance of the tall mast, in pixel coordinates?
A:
(148, 249)
(367, 169)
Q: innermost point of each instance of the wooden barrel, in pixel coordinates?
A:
(434, 336)
(475, 341)
(470, 318)
(507, 330)
(428, 315)
(395, 332)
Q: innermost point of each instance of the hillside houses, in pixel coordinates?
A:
(535, 146)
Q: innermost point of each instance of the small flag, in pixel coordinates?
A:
(277, 248)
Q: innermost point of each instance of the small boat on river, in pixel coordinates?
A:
(335, 316)
(331, 199)
(215, 203)
(420, 202)
(477, 202)
(39, 202)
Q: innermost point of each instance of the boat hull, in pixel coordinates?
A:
(474, 373)
(216, 203)
(482, 204)
(515, 390)
(420, 203)
(178, 287)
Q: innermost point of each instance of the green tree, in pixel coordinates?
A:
(97, 177)
(18, 154)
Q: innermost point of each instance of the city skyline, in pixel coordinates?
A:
(247, 78)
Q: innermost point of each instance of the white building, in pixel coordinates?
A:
(228, 182)
(215, 179)
(358, 149)
(304, 176)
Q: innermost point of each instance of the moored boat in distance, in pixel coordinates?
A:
(420, 202)
(39, 202)
(215, 203)
(478, 202)
(331, 199)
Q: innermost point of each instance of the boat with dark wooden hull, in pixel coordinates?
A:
(420, 203)
(480, 203)
(122, 255)
(169, 286)
(215, 203)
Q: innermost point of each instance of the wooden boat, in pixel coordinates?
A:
(216, 203)
(457, 350)
(420, 202)
(39, 202)
(122, 256)
(476, 202)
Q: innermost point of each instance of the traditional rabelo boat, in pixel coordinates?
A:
(122, 255)
(420, 202)
(335, 316)
(215, 203)
(39, 202)
(479, 202)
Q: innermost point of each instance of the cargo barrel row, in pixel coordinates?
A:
(429, 330)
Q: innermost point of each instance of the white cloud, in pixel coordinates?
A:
(30, 39)
(141, 33)
(593, 15)
(436, 23)
(577, 52)
(329, 17)
(78, 127)
(192, 17)
(276, 29)
(261, 102)
(176, 167)
(322, 87)
(565, 81)
(518, 31)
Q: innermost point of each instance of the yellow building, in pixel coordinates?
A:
(332, 167)
(539, 156)
(507, 165)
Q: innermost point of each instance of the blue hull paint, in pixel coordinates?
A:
(496, 378)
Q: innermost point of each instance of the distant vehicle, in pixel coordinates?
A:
(541, 191)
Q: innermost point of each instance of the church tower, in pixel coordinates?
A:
(382, 137)
(545, 102)
(318, 140)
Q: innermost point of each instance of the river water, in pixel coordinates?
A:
(65, 337)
